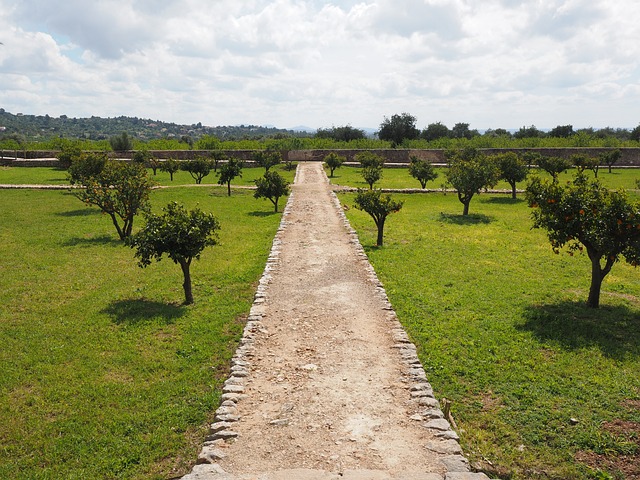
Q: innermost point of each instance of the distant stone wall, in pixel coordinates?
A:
(398, 157)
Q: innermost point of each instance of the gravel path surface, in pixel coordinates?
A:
(326, 384)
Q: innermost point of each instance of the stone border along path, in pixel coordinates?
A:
(326, 384)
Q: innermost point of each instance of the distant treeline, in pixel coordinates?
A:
(30, 132)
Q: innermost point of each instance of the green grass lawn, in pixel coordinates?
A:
(399, 178)
(55, 176)
(502, 330)
(103, 373)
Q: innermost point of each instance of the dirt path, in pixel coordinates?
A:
(326, 385)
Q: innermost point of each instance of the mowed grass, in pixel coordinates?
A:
(56, 176)
(103, 372)
(399, 178)
(537, 379)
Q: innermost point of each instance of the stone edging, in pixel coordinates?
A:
(426, 406)
(233, 389)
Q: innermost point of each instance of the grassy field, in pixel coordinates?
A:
(56, 176)
(542, 387)
(103, 373)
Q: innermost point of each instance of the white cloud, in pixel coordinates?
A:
(492, 63)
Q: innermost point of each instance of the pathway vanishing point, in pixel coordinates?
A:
(326, 384)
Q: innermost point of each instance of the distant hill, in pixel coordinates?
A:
(39, 127)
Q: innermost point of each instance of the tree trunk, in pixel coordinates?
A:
(380, 233)
(114, 219)
(188, 294)
(465, 211)
(275, 204)
(229, 187)
(596, 284)
(513, 190)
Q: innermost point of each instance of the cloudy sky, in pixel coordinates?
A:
(489, 63)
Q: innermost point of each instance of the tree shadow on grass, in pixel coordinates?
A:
(80, 212)
(262, 214)
(135, 312)
(504, 200)
(90, 241)
(471, 219)
(615, 330)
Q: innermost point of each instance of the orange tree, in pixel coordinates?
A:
(583, 214)
(378, 206)
(470, 172)
(179, 233)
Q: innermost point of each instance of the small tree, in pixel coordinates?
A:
(609, 158)
(120, 190)
(179, 233)
(121, 143)
(229, 171)
(333, 161)
(267, 158)
(371, 174)
(369, 159)
(198, 168)
(513, 169)
(70, 151)
(272, 186)
(378, 206)
(85, 166)
(584, 162)
(216, 156)
(554, 166)
(586, 214)
(469, 172)
(422, 170)
(170, 166)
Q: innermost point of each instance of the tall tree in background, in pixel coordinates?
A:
(398, 128)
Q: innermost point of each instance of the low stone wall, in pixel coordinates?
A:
(393, 157)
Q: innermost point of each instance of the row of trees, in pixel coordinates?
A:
(122, 191)
(582, 214)
(399, 128)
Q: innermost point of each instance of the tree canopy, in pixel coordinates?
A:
(398, 128)
(180, 234)
(585, 214)
(121, 190)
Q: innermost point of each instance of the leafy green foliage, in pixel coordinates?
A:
(422, 170)
(180, 234)
(378, 206)
(228, 171)
(586, 214)
(554, 165)
(198, 168)
(584, 162)
(121, 190)
(121, 143)
(69, 152)
(170, 166)
(398, 128)
(434, 131)
(369, 159)
(470, 172)
(371, 174)
(272, 186)
(513, 169)
(267, 158)
(334, 161)
(84, 166)
(345, 133)
(609, 158)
